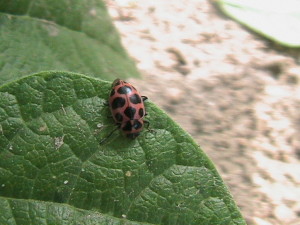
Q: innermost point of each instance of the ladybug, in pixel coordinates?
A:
(127, 108)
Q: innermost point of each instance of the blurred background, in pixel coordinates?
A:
(234, 91)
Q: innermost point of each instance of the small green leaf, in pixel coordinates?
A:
(275, 19)
(65, 35)
(54, 171)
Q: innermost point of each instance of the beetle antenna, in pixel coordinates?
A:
(108, 136)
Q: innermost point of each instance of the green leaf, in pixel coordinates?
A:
(16, 211)
(54, 171)
(75, 36)
(277, 20)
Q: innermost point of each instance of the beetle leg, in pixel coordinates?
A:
(108, 136)
(147, 124)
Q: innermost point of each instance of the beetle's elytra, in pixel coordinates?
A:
(127, 108)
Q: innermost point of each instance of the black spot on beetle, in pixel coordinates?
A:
(137, 125)
(119, 117)
(135, 99)
(129, 112)
(118, 103)
(112, 92)
(127, 127)
(141, 112)
(124, 90)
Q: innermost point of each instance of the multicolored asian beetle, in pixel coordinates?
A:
(127, 109)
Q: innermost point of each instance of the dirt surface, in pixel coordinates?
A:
(236, 93)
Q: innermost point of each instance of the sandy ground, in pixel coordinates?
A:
(236, 93)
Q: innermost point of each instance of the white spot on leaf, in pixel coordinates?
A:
(93, 12)
(99, 125)
(58, 141)
(43, 128)
(128, 174)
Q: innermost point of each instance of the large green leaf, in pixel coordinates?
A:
(66, 35)
(54, 171)
(277, 20)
